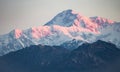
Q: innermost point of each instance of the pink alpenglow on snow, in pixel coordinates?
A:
(101, 20)
(41, 31)
(64, 30)
(18, 33)
(87, 23)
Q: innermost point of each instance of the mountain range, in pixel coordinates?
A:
(69, 42)
(67, 29)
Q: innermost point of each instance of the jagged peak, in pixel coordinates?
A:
(101, 20)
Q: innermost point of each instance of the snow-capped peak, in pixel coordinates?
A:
(69, 18)
(65, 18)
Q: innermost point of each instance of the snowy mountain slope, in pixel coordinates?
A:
(105, 29)
(68, 27)
(111, 34)
(13, 41)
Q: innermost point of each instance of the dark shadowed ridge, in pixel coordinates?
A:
(99, 56)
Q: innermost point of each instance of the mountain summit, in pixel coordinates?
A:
(68, 29)
(62, 18)
(69, 18)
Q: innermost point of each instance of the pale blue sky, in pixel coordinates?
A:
(23, 14)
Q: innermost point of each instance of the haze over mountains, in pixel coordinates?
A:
(68, 29)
